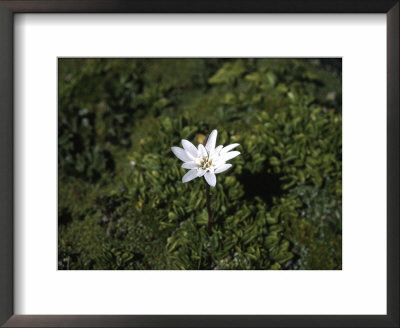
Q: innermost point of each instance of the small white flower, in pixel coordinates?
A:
(205, 161)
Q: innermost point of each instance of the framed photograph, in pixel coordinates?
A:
(214, 164)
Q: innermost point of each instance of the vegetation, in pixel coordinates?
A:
(121, 202)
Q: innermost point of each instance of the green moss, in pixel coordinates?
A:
(122, 204)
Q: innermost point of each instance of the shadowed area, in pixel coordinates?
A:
(262, 184)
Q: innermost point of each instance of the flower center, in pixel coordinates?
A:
(205, 163)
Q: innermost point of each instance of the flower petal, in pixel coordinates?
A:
(203, 151)
(200, 172)
(189, 165)
(228, 156)
(210, 145)
(190, 175)
(211, 179)
(189, 147)
(218, 149)
(228, 148)
(223, 168)
(181, 154)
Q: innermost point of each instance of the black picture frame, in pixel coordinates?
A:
(10, 7)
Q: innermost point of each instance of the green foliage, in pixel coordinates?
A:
(122, 204)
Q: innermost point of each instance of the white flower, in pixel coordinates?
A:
(205, 161)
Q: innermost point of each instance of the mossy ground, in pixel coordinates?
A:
(122, 204)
